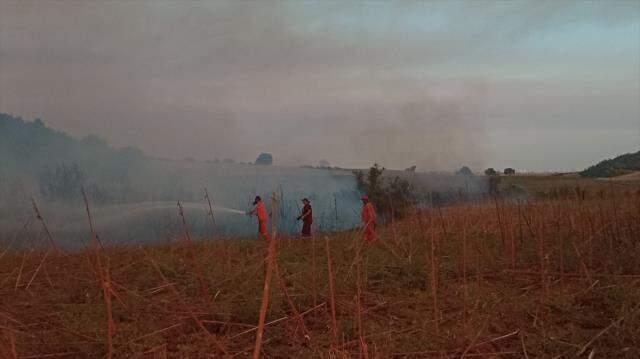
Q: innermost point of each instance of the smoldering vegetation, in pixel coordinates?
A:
(156, 186)
(133, 197)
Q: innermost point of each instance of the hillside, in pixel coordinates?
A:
(614, 167)
(29, 147)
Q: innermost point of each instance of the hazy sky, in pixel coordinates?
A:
(540, 85)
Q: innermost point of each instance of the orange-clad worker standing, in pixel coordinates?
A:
(368, 219)
(260, 211)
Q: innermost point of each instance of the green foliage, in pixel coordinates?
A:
(391, 196)
(490, 172)
(464, 171)
(509, 171)
(614, 167)
(265, 159)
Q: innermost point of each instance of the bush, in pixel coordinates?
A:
(265, 159)
(464, 171)
(392, 197)
(509, 171)
(490, 172)
(62, 182)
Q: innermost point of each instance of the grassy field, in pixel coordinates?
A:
(514, 279)
(544, 185)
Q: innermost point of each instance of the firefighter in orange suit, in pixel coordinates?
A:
(368, 219)
(260, 211)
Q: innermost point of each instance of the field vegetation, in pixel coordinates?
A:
(557, 277)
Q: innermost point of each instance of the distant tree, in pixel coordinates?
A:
(265, 159)
(411, 169)
(509, 171)
(324, 164)
(392, 197)
(490, 172)
(371, 183)
(228, 160)
(464, 171)
(62, 182)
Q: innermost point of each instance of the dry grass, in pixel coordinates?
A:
(556, 278)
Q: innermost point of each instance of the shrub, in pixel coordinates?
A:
(490, 172)
(265, 159)
(509, 171)
(391, 196)
(464, 171)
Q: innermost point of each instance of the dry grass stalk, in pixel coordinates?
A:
(464, 269)
(561, 249)
(12, 345)
(104, 277)
(204, 288)
(187, 235)
(183, 304)
(573, 275)
(524, 347)
(514, 250)
(24, 257)
(39, 216)
(616, 322)
(332, 300)
(271, 262)
(500, 225)
(8, 344)
(478, 247)
(543, 259)
(434, 273)
(314, 271)
(111, 327)
(213, 219)
(473, 341)
(159, 331)
(40, 265)
(583, 265)
(276, 321)
(52, 243)
(364, 352)
(94, 235)
(292, 306)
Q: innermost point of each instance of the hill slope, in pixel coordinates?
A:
(614, 167)
(28, 147)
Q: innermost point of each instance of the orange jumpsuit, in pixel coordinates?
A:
(263, 217)
(369, 222)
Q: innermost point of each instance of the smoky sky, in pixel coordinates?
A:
(540, 85)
